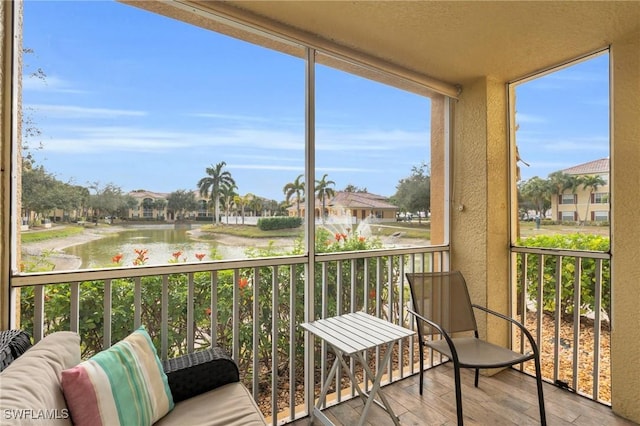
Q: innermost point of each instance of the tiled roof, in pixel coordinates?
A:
(361, 200)
(143, 193)
(595, 167)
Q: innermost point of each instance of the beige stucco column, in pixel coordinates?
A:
(625, 223)
(437, 169)
(479, 194)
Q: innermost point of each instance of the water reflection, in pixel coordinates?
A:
(161, 243)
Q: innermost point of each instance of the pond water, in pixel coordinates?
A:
(160, 241)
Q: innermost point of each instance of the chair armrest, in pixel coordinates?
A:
(517, 323)
(198, 372)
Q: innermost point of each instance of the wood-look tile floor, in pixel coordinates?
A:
(508, 398)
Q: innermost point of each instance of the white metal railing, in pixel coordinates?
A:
(564, 298)
(251, 307)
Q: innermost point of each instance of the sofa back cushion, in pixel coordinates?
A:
(30, 391)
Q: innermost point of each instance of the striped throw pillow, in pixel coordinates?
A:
(124, 385)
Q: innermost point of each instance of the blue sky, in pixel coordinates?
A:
(144, 101)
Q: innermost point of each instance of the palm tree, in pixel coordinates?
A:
(591, 183)
(213, 184)
(324, 191)
(227, 195)
(559, 182)
(294, 188)
(242, 201)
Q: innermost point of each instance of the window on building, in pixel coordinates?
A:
(601, 198)
(568, 199)
(601, 216)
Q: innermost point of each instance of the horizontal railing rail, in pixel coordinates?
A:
(251, 307)
(564, 298)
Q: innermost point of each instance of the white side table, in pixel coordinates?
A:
(353, 334)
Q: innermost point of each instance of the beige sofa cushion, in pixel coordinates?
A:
(228, 405)
(30, 386)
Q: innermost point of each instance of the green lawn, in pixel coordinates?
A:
(408, 229)
(48, 234)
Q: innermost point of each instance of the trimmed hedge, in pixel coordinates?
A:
(271, 223)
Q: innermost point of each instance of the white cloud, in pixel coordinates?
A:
(529, 118)
(227, 117)
(50, 83)
(77, 112)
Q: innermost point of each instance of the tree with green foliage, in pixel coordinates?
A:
(354, 188)
(228, 195)
(214, 183)
(181, 201)
(413, 194)
(295, 188)
(591, 184)
(537, 192)
(324, 191)
(107, 200)
(243, 201)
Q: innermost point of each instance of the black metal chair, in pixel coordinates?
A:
(442, 307)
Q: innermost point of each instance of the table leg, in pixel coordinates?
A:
(376, 386)
(325, 389)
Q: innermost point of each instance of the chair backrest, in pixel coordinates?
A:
(443, 298)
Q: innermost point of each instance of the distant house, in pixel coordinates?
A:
(582, 204)
(357, 206)
(153, 205)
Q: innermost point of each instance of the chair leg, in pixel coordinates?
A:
(456, 373)
(543, 416)
(421, 367)
(477, 376)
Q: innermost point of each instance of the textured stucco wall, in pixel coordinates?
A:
(625, 158)
(479, 194)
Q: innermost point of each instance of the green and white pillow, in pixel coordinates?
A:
(124, 385)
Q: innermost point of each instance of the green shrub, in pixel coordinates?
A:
(271, 223)
(587, 272)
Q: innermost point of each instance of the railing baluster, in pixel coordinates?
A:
(597, 325)
(401, 312)
(323, 313)
(275, 308)
(213, 321)
(523, 298)
(292, 341)
(74, 308)
(106, 338)
(255, 386)
(557, 319)
(190, 314)
(339, 312)
(539, 303)
(354, 284)
(164, 329)
(235, 316)
(137, 303)
(577, 289)
(38, 312)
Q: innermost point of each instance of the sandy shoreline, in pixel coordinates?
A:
(52, 248)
